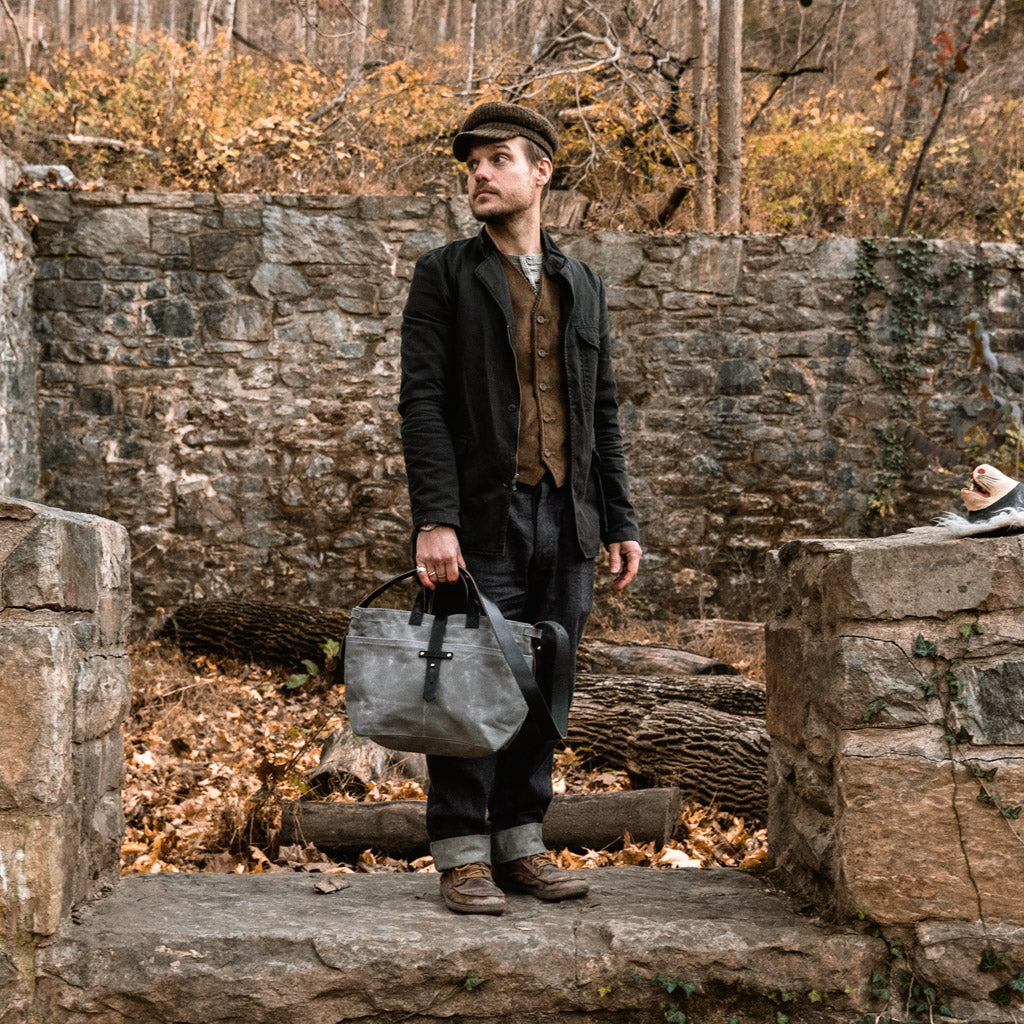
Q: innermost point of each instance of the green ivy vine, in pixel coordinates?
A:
(907, 295)
(899, 366)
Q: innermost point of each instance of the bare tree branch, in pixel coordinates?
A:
(915, 178)
(17, 34)
(793, 70)
(73, 139)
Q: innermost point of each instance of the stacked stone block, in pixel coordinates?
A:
(19, 355)
(220, 374)
(64, 691)
(896, 714)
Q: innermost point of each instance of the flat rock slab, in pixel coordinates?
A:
(201, 948)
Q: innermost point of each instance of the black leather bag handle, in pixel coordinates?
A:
(551, 720)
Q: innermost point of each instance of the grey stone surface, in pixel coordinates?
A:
(111, 231)
(39, 660)
(264, 330)
(266, 949)
(894, 710)
(19, 352)
(64, 691)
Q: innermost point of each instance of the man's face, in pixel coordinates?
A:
(502, 180)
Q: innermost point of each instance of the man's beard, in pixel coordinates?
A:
(510, 210)
(493, 217)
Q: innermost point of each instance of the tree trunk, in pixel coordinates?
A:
(704, 734)
(916, 82)
(23, 50)
(730, 114)
(704, 190)
(311, 34)
(358, 51)
(441, 23)
(547, 17)
(229, 28)
(471, 48)
(62, 16)
(399, 827)
(397, 16)
(254, 631)
(203, 23)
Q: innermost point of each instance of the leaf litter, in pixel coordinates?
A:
(213, 746)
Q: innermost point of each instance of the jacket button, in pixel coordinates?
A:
(542, 386)
(541, 318)
(511, 406)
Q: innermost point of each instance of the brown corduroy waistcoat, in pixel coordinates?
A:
(543, 429)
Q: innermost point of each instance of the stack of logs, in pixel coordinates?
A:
(682, 726)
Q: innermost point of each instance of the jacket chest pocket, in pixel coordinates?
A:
(583, 347)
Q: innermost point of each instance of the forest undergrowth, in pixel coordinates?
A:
(819, 157)
(212, 748)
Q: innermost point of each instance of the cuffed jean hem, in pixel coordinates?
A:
(453, 853)
(519, 841)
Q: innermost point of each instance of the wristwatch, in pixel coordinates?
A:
(427, 527)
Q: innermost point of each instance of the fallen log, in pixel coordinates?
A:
(704, 734)
(399, 828)
(600, 658)
(256, 631)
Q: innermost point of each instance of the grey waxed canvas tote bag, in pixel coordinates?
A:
(459, 685)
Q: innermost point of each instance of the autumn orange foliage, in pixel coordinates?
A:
(212, 749)
(162, 114)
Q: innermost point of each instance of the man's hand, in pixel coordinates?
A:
(624, 560)
(438, 556)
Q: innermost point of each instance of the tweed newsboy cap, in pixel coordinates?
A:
(492, 121)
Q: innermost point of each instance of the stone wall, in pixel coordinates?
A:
(896, 714)
(219, 374)
(64, 690)
(19, 358)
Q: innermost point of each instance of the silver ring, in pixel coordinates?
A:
(431, 573)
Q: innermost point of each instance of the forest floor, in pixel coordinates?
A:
(213, 746)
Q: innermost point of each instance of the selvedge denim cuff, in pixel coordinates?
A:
(520, 841)
(453, 853)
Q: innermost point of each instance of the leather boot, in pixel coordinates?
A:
(470, 889)
(539, 876)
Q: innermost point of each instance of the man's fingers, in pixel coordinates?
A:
(614, 558)
(437, 556)
(627, 552)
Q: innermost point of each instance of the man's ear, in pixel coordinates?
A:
(545, 168)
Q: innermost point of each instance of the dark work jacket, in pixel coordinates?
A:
(459, 400)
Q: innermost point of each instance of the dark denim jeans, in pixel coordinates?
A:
(490, 809)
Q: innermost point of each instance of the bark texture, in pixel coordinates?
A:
(704, 734)
(399, 828)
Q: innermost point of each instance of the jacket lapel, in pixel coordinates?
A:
(490, 274)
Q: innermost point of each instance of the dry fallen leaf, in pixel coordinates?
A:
(329, 885)
(211, 750)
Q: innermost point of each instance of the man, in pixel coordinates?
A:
(516, 472)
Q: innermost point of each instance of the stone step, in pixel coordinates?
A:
(202, 948)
